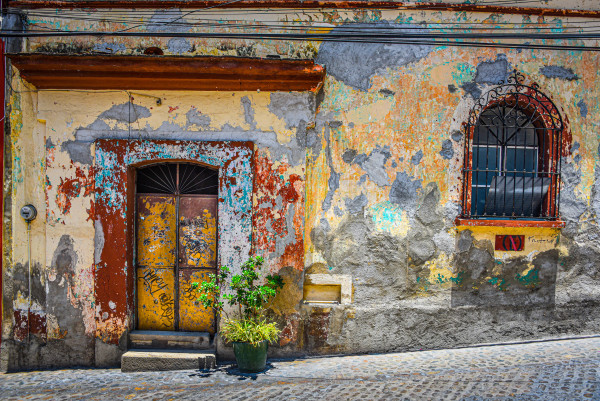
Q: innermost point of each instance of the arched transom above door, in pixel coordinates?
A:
(178, 178)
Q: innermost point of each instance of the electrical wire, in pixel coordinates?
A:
(220, 19)
(133, 13)
(360, 29)
(364, 34)
(497, 2)
(308, 37)
(348, 28)
(390, 5)
(433, 33)
(239, 12)
(302, 25)
(184, 15)
(504, 2)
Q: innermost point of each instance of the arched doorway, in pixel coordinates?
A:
(176, 244)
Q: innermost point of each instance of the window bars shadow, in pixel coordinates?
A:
(513, 140)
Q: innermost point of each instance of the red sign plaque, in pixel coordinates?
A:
(510, 242)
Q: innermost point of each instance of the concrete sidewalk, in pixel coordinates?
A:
(550, 370)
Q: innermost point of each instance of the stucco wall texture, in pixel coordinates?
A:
(361, 179)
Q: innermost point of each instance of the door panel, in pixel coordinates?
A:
(198, 231)
(156, 233)
(192, 315)
(155, 303)
(156, 230)
(197, 249)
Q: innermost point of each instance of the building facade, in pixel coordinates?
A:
(419, 180)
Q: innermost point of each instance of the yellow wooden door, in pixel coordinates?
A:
(165, 297)
(197, 258)
(156, 248)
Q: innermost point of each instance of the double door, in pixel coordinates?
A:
(176, 246)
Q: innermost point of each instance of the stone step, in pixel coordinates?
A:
(153, 360)
(147, 339)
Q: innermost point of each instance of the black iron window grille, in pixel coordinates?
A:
(512, 154)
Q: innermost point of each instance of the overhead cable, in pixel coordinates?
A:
(397, 39)
(363, 34)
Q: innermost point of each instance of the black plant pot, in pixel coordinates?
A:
(251, 358)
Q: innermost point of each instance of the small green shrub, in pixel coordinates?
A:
(250, 298)
(249, 331)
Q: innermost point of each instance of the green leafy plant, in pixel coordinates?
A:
(242, 290)
(249, 331)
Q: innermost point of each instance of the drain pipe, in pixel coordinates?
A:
(28, 213)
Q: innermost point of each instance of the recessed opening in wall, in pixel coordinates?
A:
(178, 178)
(328, 288)
(322, 293)
(177, 240)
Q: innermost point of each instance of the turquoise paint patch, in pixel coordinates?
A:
(440, 279)
(106, 166)
(499, 283)
(531, 279)
(17, 170)
(386, 216)
(458, 279)
(463, 73)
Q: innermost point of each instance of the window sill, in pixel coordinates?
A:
(510, 223)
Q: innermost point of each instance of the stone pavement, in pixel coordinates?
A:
(552, 370)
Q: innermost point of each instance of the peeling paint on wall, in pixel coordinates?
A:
(555, 71)
(355, 63)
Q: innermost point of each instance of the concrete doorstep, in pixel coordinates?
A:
(146, 339)
(148, 360)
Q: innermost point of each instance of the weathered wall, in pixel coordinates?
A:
(385, 213)
(361, 181)
(82, 283)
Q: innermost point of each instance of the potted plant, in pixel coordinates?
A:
(249, 331)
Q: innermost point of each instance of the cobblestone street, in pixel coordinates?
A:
(553, 370)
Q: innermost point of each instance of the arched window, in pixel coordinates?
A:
(512, 155)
